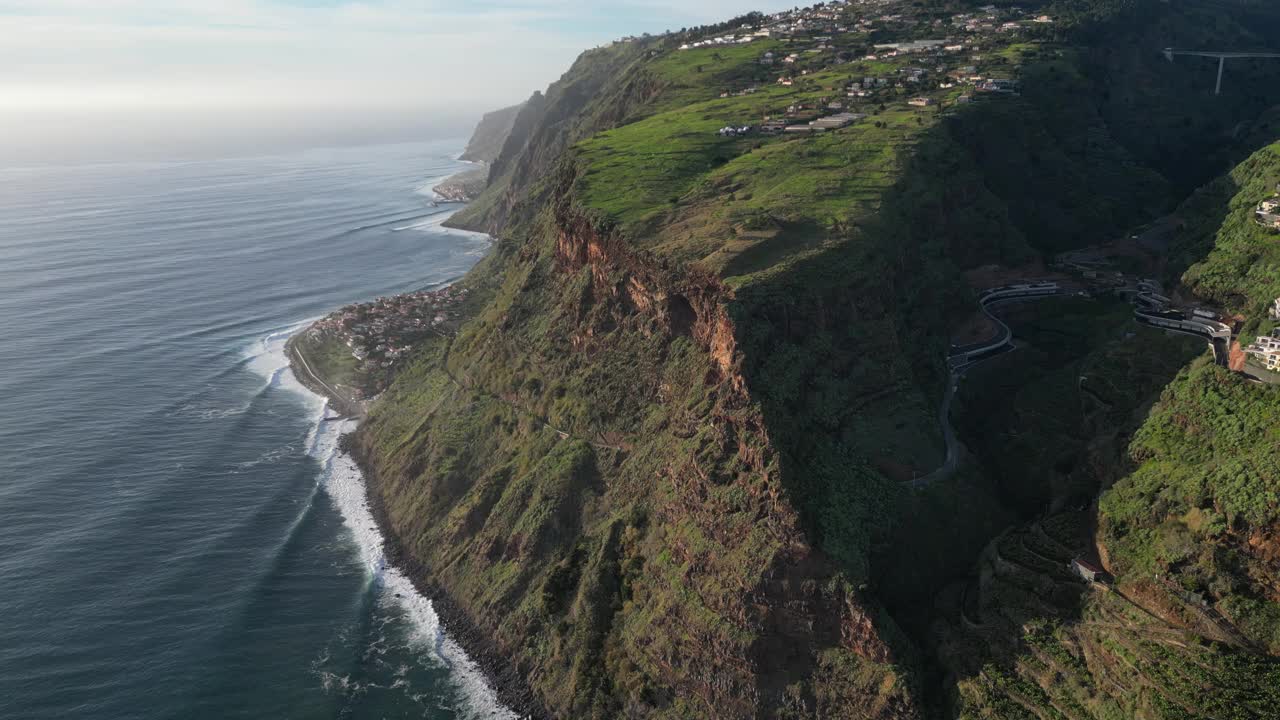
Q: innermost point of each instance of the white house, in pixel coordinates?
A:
(1267, 350)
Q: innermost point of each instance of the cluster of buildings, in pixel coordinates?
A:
(1266, 349)
(824, 20)
(990, 18)
(382, 332)
(944, 54)
(998, 85)
(821, 124)
(745, 35)
(1267, 213)
(835, 33)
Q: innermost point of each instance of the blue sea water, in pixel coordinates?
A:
(179, 537)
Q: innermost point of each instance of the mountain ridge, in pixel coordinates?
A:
(664, 465)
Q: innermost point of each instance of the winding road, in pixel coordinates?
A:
(1150, 309)
(962, 358)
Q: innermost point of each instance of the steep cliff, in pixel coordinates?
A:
(1201, 513)
(664, 467)
(1188, 623)
(491, 134)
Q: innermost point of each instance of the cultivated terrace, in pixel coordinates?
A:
(665, 458)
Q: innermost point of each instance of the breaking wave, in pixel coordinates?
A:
(388, 586)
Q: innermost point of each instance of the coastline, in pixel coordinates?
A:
(347, 407)
(463, 186)
(504, 678)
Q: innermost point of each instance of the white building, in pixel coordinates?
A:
(1267, 350)
(835, 122)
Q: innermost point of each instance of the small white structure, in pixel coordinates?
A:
(837, 121)
(999, 85)
(1267, 350)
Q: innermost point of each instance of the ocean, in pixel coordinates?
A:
(179, 536)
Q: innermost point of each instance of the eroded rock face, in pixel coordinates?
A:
(692, 305)
(795, 607)
(644, 561)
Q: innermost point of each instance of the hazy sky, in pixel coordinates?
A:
(164, 54)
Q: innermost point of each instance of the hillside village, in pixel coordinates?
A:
(938, 73)
(380, 334)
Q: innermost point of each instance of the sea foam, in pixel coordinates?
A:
(342, 480)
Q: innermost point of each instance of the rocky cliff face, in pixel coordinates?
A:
(491, 134)
(601, 89)
(636, 555)
(662, 471)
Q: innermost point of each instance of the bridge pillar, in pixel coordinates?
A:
(1222, 63)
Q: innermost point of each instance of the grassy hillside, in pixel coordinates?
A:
(1191, 626)
(1233, 261)
(1188, 629)
(664, 466)
(1202, 510)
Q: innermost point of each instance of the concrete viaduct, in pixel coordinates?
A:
(1150, 309)
(962, 357)
(1170, 53)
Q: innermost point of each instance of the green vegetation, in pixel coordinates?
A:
(1208, 485)
(1047, 416)
(1201, 509)
(664, 465)
(1240, 269)
(331, 360)
(1189, 526)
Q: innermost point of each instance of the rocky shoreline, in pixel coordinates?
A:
(506, 678)
(503, 676)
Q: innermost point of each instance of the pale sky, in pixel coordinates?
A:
(186, 54)
(91, 79)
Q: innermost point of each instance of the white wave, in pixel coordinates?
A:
(435, 223)
(344, 483)
(267, 359)
(269, 457)
(199, 412)
(342, 480)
